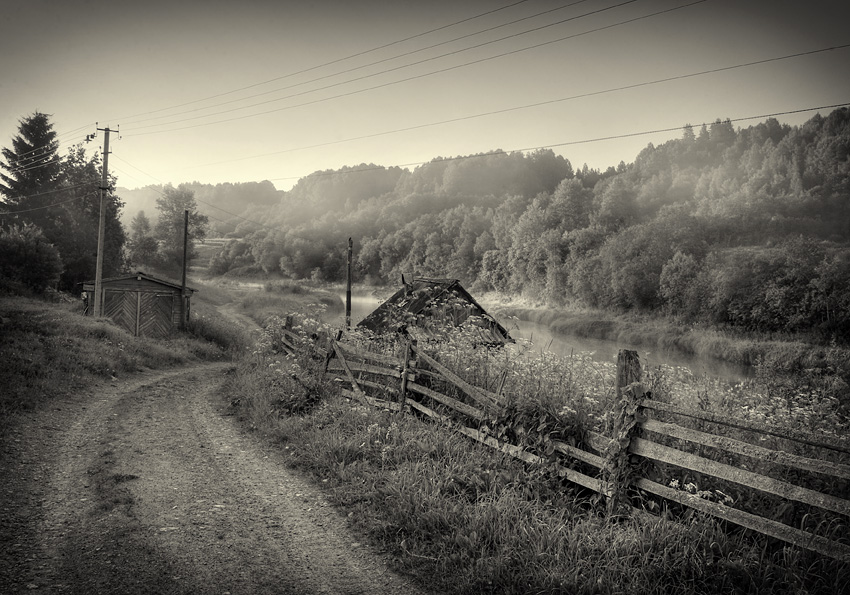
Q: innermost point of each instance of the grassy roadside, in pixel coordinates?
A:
(49, 348)
(465, 519)
(458, 516)
(279, 298)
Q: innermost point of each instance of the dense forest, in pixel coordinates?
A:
(747, 227)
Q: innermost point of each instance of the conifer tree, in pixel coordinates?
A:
(33, 170)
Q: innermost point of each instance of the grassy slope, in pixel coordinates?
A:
(465, 519)
(49, 347)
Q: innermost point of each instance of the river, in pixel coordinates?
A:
(541, 338)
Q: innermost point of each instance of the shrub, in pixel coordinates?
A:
(26, 257)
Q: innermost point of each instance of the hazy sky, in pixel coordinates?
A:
(225, 91)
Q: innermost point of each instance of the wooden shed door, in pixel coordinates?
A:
(156, 314)
(120, 306)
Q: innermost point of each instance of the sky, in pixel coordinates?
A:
(222, 91)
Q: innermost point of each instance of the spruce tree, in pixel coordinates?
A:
(33, 171)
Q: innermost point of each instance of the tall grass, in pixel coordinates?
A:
(465, 519)
(231, 339)
(48, 348)
(280, 299)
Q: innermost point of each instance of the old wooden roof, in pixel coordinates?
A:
(139, 276)
(422, 297)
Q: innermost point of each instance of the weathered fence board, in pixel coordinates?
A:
(821, 545)
(358, 392)
(363, 382)
(365, 354)
(579, 454)
(369, 368)
(527, 457)
(774, 430)
(371, 400)
(665, 454)
(482, 397)
(767, 455)
(467, 410)
(428, 411)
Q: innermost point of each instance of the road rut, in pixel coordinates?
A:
(147, 485)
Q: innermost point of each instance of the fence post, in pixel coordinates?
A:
(630, 393)
(405, 369)
(330, 353)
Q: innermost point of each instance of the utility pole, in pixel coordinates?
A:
(98, 275)
(348, 289)
(185, 264)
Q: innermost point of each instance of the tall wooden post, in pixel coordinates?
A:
(185, 264)
(348, 289)
(101, 228)
(617, 472)
(405, 371)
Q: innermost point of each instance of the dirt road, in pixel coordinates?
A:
(146, 485)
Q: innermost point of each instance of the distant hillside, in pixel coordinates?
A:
(744, 227)
(214, 200)
(139, 199)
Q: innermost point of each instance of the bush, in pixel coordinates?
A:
(26, 257)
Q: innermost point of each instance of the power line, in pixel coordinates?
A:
(355, 68)
(330, 63)
(537, 104)
(137, 169)
(50, 206)
(56, 140)
(493, 153)
(350, 93)
(161, 193)
(32, 167)
(563, 144)
(391, 83)
(47, 192)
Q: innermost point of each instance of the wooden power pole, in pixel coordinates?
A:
(348, 289)
(104, 187)
(185, 264)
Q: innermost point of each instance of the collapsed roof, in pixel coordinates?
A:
(424, 300)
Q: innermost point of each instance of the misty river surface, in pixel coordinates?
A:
(544, 339)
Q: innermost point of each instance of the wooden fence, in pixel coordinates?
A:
(652, 441)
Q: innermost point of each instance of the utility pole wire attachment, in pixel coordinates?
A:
(104, 187)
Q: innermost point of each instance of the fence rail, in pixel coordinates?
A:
(411, 383)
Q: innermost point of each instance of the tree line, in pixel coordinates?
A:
(50, 213)
(743, 227)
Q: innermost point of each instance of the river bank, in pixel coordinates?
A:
(658, 334)
(650, 334)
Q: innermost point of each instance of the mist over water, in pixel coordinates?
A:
(541, 338)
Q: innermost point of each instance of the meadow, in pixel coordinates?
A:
(467, 519)
(461, 517)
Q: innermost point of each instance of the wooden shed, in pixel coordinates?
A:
(144, 305)
(424, 300)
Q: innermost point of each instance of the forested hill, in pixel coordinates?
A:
(749, 227)
(211, 198)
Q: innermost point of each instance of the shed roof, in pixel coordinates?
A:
(138, 276)
(419, 296)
